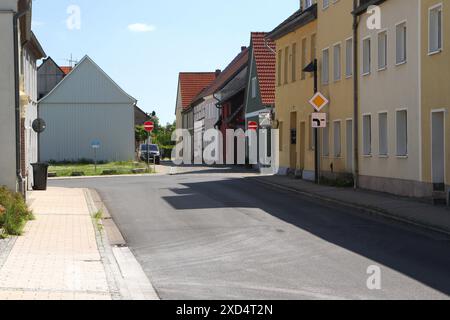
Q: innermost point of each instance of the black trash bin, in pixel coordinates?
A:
(40, 174)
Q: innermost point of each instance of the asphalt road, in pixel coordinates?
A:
(214, 234)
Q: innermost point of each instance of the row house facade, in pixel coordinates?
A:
(404, 99)
(212, 100)
(190, 84)
(435, 95)
(260, 93)
(20, 52)
(388, 91)
(296, 46)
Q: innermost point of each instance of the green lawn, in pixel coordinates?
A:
(119, 168)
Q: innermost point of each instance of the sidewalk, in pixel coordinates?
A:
(61, 255)
(403, 209)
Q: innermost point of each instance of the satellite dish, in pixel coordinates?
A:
(39, 125)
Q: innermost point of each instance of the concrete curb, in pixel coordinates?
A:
(365, 209)
(126, 278)
(108, 177)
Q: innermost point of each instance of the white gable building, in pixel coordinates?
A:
(87, 106)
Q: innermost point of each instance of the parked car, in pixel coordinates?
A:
(150, 152)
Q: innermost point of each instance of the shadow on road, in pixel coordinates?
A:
(414, 254)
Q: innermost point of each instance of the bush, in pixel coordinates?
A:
(15, 212)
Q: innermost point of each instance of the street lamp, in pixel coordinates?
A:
(312, 68)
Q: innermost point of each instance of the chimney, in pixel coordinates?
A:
(218, 72)
(243, 48)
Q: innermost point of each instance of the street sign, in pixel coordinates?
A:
(253, 125)
(319, 120)
(318, 101)
(265, 119)
(149, 126)
(95, 144)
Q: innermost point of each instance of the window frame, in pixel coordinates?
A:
(325, 83)
(386, 49)
(398, 155)
(369, 39)
(380, 154)
(405, 23)
(352, 67)
(430, 9)
(335, 46)
(370, 147)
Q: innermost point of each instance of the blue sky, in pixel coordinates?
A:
(144, 44)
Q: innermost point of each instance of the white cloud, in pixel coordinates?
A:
(141, 27)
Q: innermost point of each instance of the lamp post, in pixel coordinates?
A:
(312, 68)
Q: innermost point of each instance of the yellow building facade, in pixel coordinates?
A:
(335, 55)
(435, 93)
(296, 47)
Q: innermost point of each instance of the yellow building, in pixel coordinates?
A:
(295, 41)
(435, 94)
(335, 55)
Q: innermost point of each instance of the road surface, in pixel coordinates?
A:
(218, 234)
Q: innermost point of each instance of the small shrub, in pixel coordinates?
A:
(15, 212)
(98, 216)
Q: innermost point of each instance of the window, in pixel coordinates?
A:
(382, 50)
(308, 3)
(383, 132)
(401, 34)
(280, 56)
(337, 139)
(435, 29)
(294, 62)
(367, 135)
(367, 56)
(325, 66)
(402, 133)
(326, 141)
(254, 84)
(286, 65)
(326, 3)
(337, 62)
(303, 58)
(349, 58)
(281, 132)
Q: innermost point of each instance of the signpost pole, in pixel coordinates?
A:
(316, 132)
(95, 144)
(149, 126)
(148, 153)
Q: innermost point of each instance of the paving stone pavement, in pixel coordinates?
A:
(57, 258)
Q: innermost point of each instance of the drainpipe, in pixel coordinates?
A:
(16, 18)
(355, 96)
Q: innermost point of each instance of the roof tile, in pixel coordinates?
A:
(192, 83)
(265, 58)
(238, 63)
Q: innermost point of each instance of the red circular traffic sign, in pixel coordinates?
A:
(149, 126)
(253, 125)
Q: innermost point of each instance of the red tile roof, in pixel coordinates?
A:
(238, 63)
(192, 83)
(265, 59)
(66, 70)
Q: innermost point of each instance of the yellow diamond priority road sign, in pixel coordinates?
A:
(319, 101)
